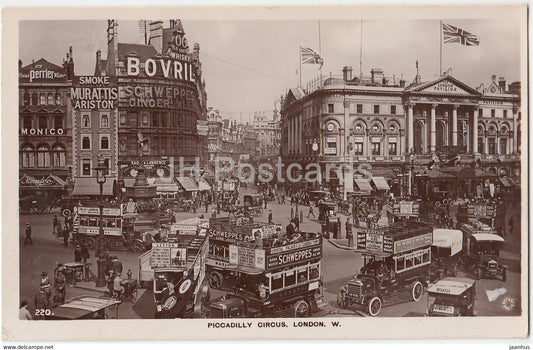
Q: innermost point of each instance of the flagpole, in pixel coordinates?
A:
(440, 32)
(320, 52)
(361, 53)
(300, 70)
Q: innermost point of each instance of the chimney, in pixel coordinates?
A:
(20, 65)
(376, 75)
(347, 73)
(501, 84)
(156, 35)
(402, 83)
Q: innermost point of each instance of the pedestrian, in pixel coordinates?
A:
(66, 235)
(301, 216)
(282, 199)
(349, 233)
(206, 205)
(41, 302)
(84, 259)
(55, 224)
(270, 217)
(311, 212)
(110, 282)
(45, 285)
(24, 313)
(117, 266)
(292, 212)
(60, 285)
(77, 254)
(265, 200)
(28, 234)
(296, 222)
(290, 229)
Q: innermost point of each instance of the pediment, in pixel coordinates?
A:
(445, 85)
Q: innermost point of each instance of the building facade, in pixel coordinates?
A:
(45, 136)
(161, 99)
(385, 123)
(268, 132)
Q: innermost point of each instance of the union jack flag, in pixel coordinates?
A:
(451, 34)
(311, 57)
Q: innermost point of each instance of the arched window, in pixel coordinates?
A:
(42, 99)
(59, 158)
(50, 99)
(43, 156)
(59, 100)
(27, 157)
(86, 142)
(104, 121)
(104, 142)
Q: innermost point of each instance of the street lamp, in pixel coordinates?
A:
(101, 170)
(411, 174)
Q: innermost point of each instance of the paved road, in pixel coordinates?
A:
(338, 267)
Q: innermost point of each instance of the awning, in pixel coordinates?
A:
(363, 184)
(203, 186)
(87, 186)
(505, 182)
(380, 183)
(436, 174)
(50, 181)
(187, 184)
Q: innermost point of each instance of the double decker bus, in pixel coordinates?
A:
(86, 224)
(264, 273)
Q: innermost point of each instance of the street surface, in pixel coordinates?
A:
(338, 266)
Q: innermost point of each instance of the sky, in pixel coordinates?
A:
(248, 65)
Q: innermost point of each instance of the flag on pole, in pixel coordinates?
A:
(451, 34)
(311, 57)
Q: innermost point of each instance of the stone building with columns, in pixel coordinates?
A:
(385, 123)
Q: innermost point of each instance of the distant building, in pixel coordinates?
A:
(45, 135)
(268, 131)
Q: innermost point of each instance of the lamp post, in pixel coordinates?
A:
(411, 174)
(100, 179)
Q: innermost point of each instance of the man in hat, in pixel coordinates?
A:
(77, 254)
(28, 234)
(45, 285)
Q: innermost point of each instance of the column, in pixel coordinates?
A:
(300, 138)
(410, 126)
(433, 130)
(486, 139)
(454, 125)
(474, 130)
(498, 151)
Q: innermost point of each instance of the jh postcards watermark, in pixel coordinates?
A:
(266, 172)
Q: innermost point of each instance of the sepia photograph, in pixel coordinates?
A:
(262, 171)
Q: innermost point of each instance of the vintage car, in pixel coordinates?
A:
(452, 296)
(316, 196)
(85, 308)
(481, 246)
(445, 252)
(253, 204)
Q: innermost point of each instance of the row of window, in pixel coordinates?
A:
(359, 108)
(42, 122)
(86, 119)
(293, 277)
(164, 119)
(95, 222)
(42, 99)
(86, 142)
(159, 145)
(412, 260)
(493, 113)
(43, 157)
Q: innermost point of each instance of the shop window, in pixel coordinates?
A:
(376, 109)
(59, 100)
(51, 99)
(86, 167)
(42, 99)
(358, 146)
(359, 108)
(34, 99)
(26, 121)
(392, 149)
(104, 120)
(86, 120)
(290, 278)
(86, 142)
(43, 156)
(376, 148)
(43, 122)
(331, 108)
(59, 157)
(104, 142)
(393, 109)
(58, 122)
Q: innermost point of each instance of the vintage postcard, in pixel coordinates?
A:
(265, 173)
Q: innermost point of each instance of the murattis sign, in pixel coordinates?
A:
(93, 92)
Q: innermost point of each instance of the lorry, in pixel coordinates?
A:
(175, 268)
(487, 212)
(396, 267)
(452, 296)
(481, 247)
(264, 273)
(445, 252)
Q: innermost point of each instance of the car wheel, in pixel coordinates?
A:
(215, 279)
(504, 274)
(301, 308)
(374, 306)
(417, 290)
(341, 300)
(137, 247)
